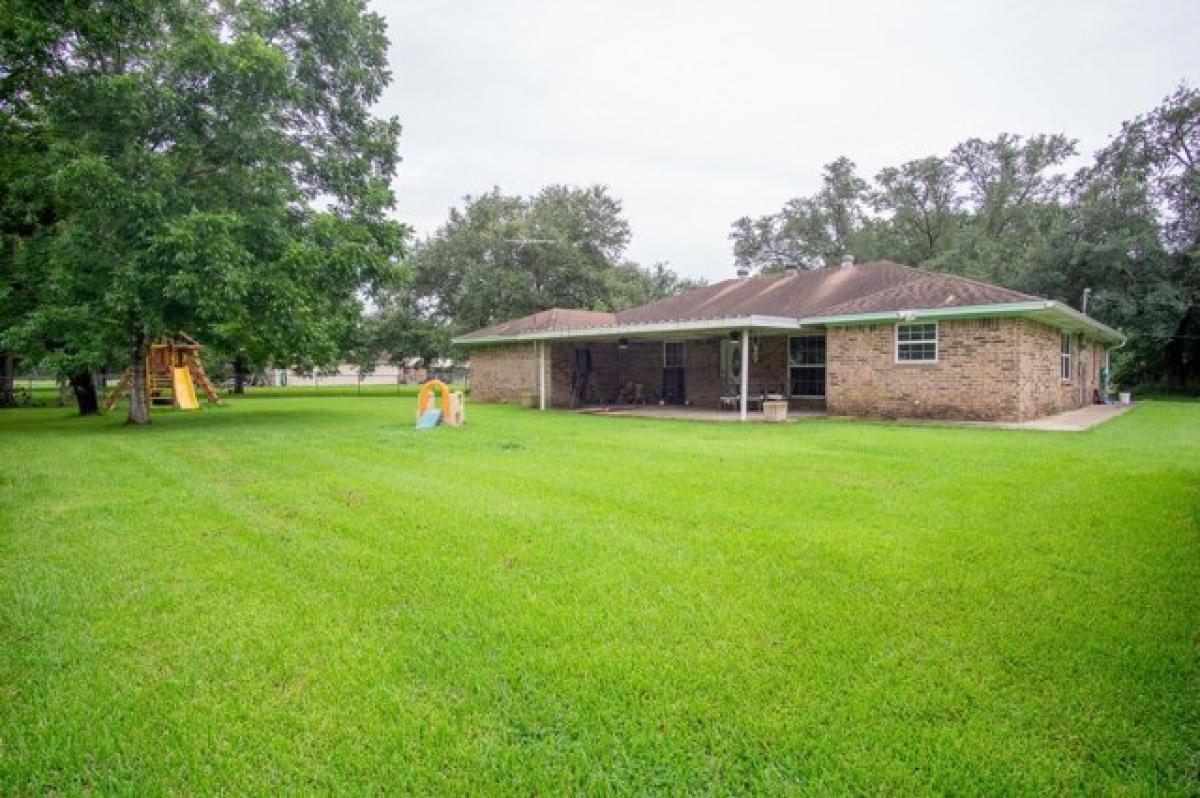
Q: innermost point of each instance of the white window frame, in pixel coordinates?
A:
(824, 365)
(1066, 365)
(937, 349)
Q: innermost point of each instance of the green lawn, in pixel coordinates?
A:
(306, 594)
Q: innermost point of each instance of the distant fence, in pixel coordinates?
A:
(44, 389)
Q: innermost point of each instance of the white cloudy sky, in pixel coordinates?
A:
(696, 113)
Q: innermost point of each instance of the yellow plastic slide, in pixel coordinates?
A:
(185, 392)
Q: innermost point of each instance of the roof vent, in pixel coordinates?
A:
(847, 261)
(743, 271)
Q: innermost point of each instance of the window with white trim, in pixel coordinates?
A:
(1064, 358)
(917, 343)
(806, 365)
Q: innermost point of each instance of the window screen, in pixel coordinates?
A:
(806, 365)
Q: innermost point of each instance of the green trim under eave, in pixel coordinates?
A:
(1045, 311)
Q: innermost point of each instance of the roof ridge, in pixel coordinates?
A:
(964, 278)
(878, 291)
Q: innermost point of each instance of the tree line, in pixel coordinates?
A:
(1008, 211)
(216, 168)
(502, 256)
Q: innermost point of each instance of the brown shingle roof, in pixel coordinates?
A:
(879, 286)
(928, 290)
(552, 319)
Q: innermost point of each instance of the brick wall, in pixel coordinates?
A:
(503, 373)
(976, 376)
(987, 369)
(1043, 391)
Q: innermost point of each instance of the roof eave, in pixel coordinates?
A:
(679, 327)
(1047, 311)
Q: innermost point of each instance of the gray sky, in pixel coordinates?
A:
(696, 113)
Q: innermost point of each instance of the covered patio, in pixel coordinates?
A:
(727, 371)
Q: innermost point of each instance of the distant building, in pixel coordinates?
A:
(411, 371)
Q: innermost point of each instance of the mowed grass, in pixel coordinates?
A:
(305, 594)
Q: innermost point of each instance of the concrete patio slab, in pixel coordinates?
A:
(688, 413)
(1083, 418)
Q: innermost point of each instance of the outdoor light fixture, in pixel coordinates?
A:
(622, 343)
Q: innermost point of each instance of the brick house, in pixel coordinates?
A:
(875, 340)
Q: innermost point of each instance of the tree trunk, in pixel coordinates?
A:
(139, 410)
(8, 368)
(239, 375)
(85, 392)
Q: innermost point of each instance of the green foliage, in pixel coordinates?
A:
(810, 232)
(504, 256)
(549, 603)
(631, 285)
(922, 201)
(1003, 210)
(208, 166)
(499, 257)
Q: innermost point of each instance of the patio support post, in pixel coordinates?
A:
(744, 397)
(541, 375)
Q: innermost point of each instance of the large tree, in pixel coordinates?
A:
(1134, 238)
(1013, 188)
(808, 232)
(922, 200)
(211, 166)
(502, 256)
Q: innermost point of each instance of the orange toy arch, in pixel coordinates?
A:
(424, 398)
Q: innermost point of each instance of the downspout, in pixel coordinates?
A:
(1108, 366)
(541, 375)
(744, 397)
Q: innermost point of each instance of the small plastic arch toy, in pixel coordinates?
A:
(424, 397)
(451, 413)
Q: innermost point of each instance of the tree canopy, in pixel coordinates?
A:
(501, 256)
(192, 165)
(1007, 210)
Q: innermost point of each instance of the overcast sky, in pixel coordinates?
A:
(696, 113)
